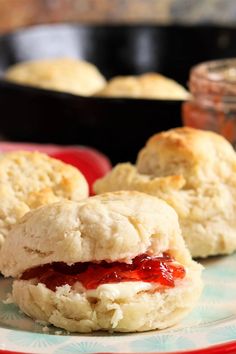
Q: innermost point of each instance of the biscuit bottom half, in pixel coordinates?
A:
(130, 306)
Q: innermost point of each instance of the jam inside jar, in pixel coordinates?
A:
(213, 104)
(154, 269)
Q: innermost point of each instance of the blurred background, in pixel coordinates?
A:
(121, 37)
(18, 13)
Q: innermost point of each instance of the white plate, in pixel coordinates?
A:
(212, 322)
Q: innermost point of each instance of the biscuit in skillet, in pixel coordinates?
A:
(60, 74)
(148, 86)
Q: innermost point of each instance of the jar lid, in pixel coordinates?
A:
(216, 77)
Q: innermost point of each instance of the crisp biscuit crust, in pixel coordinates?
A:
(31, 179)
(63, 74)
(149, 85)
(113, 227)
(199, 156)
(194, 172)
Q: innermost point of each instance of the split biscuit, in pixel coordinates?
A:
(122, 234)
(148, 86)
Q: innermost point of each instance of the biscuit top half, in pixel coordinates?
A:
(195, 154)
(31, 179)
(112, 227)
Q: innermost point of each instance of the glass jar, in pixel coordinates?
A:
(213, 103)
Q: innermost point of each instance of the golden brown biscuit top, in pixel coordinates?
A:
(31, 179)
(188, 152)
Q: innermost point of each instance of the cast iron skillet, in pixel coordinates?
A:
(117, 127)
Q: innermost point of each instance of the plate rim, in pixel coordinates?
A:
(228, 348)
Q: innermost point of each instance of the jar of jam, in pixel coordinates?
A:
(213, 103)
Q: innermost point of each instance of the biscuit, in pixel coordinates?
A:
(62, 74)
(194, 172)
(31, 179)
(149, 86)
(113, 227)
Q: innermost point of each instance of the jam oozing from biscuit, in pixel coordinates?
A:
(162, 270)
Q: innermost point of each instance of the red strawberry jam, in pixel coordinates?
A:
(162, 270)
